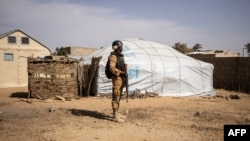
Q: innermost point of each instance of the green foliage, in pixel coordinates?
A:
(181, 47)
(60, 51)
(197, 47)
(248, 48)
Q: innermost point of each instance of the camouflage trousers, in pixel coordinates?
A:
(116, 92)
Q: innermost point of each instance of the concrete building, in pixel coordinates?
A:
(15, 47)
(79, 51)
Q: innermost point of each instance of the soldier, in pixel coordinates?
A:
(117, 68)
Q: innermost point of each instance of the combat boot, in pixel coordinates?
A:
(121, 116)
(116, 117)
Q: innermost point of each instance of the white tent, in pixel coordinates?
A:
(158, 68)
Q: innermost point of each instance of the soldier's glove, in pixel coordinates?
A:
(123, 74)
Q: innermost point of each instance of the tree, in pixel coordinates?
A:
(248, 48)
(197, 47)
(60, 51)
(181, 47)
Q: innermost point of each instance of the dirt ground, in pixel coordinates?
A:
(148, 119)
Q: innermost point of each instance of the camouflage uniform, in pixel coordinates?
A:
(116, 63)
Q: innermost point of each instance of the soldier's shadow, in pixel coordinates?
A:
(94, 114)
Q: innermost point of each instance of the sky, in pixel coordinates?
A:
(215, 24)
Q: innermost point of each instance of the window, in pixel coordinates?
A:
(12, 39)
(25, 40)
(8, 57)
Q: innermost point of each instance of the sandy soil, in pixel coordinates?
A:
(149, 119)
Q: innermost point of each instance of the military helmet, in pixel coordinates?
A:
(116, 44)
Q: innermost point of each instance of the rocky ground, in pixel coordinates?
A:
(148, 119)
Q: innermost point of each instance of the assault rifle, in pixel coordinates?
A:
(126, 72)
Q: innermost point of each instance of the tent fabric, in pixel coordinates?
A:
(158, 68)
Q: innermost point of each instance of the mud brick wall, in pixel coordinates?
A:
(50, 78)
(230, 73)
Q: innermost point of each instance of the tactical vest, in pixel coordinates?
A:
(120, 61)
(121, 66)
